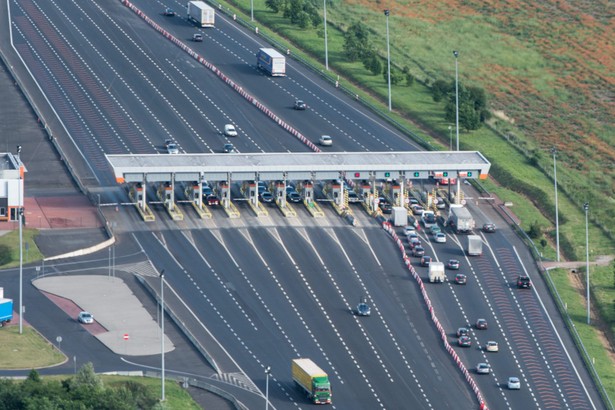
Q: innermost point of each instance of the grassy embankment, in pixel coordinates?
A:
(544, 88)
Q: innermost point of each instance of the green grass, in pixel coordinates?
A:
(11, 240)
(26, 351)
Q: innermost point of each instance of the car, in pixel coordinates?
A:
(441, 204)
(461, 279)
(514, 383)
(481, 324)
(207, 190)
(418, 251)
(230, 130)
(489, 227)
(266, 197)
(428, 219)
(412, 221)
(363, 308)
(417, 210)
(414, 201)
(453, 264)
(353, 197)
(464, 341)
(299, 105)
(228, 148)
(414, 241)
(172, 148)
(425, 260)
(434, 230)
(524, 282)
(483, 368)
(325, 140)
(463, 331)
(293, 196)
(86, 318)
(168, 12)
(212, 200)
(492, 346)
(198, 37)
(440, 237)
(409, 230)
(385, 207)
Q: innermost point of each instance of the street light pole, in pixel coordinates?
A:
(586, 208)
(20, 220)
(326, 50)
(251, 10)
(386, 13)
(554, 152)
(456, 54)
(267, 374)
(450, 137)
(162, 332)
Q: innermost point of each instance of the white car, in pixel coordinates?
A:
(440, 237)
(172, 148)
(483, 368)
(409, 230)
(492, 346)
(514, 383)
(85, 318)
(230, 131)
(326, 141)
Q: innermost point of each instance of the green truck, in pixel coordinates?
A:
(312, 379)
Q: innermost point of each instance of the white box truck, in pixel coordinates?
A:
(400, 216)
(460, 219)
(436, 272)
(475, 245)
(201, 13)
(271, 61)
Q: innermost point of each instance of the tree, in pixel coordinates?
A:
(396, 75)
(535, 230)
(356, 41)
(274, 5)
(439, 89)
(409, 79)
(372, 63)
(472, 104)
(86, 377)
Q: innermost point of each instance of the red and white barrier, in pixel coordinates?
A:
(483, 406)
(223, 77)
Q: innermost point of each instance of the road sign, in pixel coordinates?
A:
(435, 201)
(463, 202)
(407, 200)
(126, 337)
(376, 201)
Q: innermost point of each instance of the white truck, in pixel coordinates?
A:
(201, 13)
(436, 272)
(460, 219)
(475, 245)
(400, 216)
(273, 62)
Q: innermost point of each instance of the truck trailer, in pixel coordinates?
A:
(312, 379)
(460, 219)
(201, 13)
(271, 61)
(475, 245)
(436, 272)
(6, 308)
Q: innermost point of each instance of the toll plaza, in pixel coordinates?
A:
(368, 174)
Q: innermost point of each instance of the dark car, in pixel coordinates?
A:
(168, 12)
(266, 197)
(207, 190)
(464, 341)
(228, 148)
(461, 279)
(481, 324)
(463, 331)
(453, 264)
(489, 227)
(300, 105)
(418, 251)
(524, 282)
(363, 308)
(293, 196)
(425, 260)
(212, 200)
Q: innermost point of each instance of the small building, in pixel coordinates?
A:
(12, 173)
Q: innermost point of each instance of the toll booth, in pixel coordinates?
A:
(166, 194)
(137, 194)
(337, 193)
(308, 191)
(224, 191)
(250, 190)
(280, 193)
(396, 194)
(194, 194)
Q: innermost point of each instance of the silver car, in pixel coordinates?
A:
(483, 368)
(514, 383)
(85, 318)
(230, 131)
(325, 140)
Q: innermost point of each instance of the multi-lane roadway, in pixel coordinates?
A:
(272, 289)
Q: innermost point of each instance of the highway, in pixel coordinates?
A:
(272, 289)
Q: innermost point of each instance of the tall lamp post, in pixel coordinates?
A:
(267, 374)
(554, 152)
(386, 13)
(456, 54)
(20, 220)
(162, 397)
(251, 10)
(586, 208)
(326, 49)
(450, 137)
